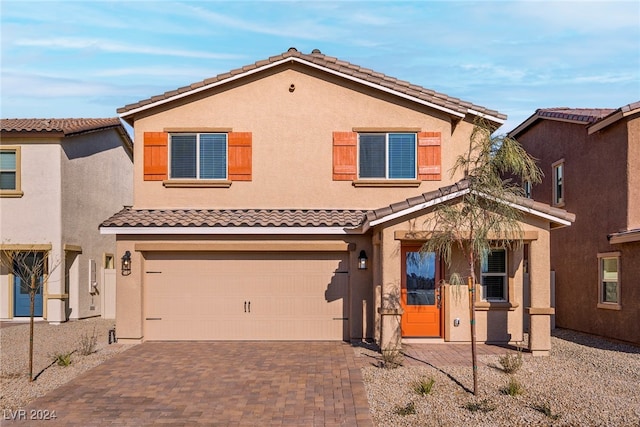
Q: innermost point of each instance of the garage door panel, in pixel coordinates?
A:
(245, 296)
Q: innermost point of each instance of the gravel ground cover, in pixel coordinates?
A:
(587, 381)
(15, 389)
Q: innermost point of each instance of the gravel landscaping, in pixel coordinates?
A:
(49, 340)
(587, 381)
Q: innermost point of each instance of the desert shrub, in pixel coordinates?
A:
(483, 406)
(513, 387)
(88, 343)
(408, 409)
(391, 358)
(511, 362)
(423, 386)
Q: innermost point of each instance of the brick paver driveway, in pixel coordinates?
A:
(216, 383)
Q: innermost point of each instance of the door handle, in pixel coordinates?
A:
(249, 306)
(245, 306)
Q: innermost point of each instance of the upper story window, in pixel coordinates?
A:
(609, 280)
(558, 183)
(398, 158)
(10, 172)
(494, 275)
(198, 156)
(387, 156)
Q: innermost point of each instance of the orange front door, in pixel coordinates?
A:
(419, 295)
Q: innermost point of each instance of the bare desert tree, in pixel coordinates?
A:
(31, 266)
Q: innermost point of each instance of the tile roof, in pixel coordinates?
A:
(460, 186)
(129, 217)
(587, 115)
(60, 126)
(334, 65)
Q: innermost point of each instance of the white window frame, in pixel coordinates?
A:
(17, 191)
(504, 275)
(197, 135)
(611, 305)
(559, 199)
(386, 154)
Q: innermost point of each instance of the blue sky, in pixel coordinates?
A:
(88, 58)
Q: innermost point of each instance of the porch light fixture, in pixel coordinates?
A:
(362, 260)
(126, 263)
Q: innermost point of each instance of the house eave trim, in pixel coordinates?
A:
(419, 207)
(230, 230)
(628, 237)
(316, 66)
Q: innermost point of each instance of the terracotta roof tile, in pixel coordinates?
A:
(64, 126)
(343, 67)
(587, 115)
(129, 217)
(459, 186)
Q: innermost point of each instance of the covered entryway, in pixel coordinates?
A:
(245, 296)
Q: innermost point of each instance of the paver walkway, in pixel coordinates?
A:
(217, 384)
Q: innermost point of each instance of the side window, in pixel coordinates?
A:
(526, 188)
(558, 183)
(609, 280)
(494, 276)
(387, 156)
(198, 156)
(10, 181)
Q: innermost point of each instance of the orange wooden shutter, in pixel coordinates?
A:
(239, 156)
(345, 155)
(155, 156)
(429, 156)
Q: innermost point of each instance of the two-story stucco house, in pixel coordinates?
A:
(591, 162)
(59, 179)
(285, 201)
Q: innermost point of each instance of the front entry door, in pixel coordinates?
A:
(420, 295)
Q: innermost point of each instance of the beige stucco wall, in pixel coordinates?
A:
(35, 218)
(97, 173)
(292, 141)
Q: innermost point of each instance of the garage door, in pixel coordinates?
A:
(245, 296)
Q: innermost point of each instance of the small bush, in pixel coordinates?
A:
(545, 408)
(513, 388)
(62, 359)
(483, 406)
(88, 343)
(511, 362)
(391, 358)
(408, 409)
(423, 387)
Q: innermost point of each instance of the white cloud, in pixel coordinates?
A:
(77, 43)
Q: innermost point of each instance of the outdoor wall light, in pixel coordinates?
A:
(126, 263)
(362, 260)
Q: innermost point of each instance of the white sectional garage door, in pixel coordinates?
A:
(245, 296)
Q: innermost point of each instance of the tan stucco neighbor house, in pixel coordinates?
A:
(591, 162)
(59, 178)
(285, 200)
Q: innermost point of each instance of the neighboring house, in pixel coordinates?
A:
(591, 162)
(285, 201)
(59, 179)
